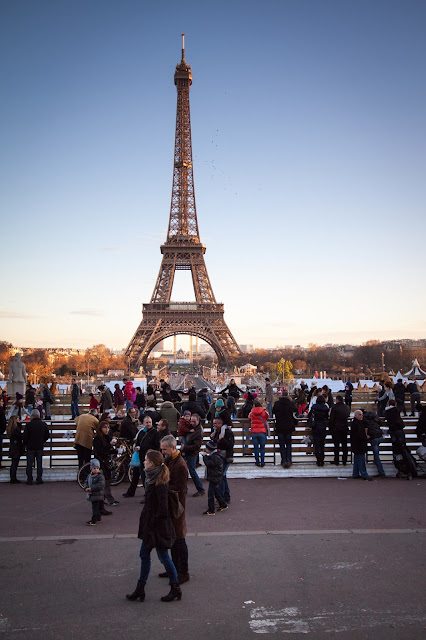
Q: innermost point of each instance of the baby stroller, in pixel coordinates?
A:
(404, 462)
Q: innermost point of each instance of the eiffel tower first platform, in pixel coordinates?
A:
(183, 250)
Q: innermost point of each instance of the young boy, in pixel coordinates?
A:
(214, 459)
(184, 426)
(95, 486)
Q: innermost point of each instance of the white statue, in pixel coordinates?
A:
(17, 377)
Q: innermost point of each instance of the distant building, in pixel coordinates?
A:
(246, 348)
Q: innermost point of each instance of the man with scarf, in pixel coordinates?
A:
(178, 482)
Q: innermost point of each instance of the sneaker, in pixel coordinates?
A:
(106, 513)
(114, 504)
(198, 493)
(128, 495)
(368, 479)
(222, 508)
(15, 481)
(90, 523)
(208, 513)
(39, 482)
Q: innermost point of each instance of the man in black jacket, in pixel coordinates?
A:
(414, 392)
(147, 438)
(75, 396)
(129, 425)
(359, 446)
(339, 429)
(283, 410)
(193, 406)
(399, 393)
(224, 440)
(35, 435)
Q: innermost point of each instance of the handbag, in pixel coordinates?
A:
(135, 460)
(266, 425)
(175, 507)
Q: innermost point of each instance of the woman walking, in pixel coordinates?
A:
(155, 527)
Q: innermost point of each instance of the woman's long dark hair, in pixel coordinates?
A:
(99, 431)
(157, 459)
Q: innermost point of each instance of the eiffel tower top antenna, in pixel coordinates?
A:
(183, 47)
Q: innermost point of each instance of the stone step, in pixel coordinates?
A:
(239, 470)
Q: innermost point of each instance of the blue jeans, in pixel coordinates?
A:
(259, 441)
(284, 440)
(375, 443)
(359, 468)
(269, 408)
(318, 436)
(46, 407)
(215, 491)
(225, 486)
(191, 462)
(129, 404)
(164, 558)
(74, 409)
(31, 456)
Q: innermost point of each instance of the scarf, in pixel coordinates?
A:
(152, 474)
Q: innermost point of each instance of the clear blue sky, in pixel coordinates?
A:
(308, 127)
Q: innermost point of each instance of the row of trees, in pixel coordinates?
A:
(366, 360)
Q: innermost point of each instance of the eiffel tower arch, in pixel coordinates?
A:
(182, 251)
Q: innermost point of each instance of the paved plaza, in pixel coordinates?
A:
(294, 556)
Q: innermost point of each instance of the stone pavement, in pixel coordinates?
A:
(293, 556)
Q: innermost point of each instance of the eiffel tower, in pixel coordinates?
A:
(183, 250)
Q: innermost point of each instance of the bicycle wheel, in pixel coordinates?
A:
(83, 472)
(140, 483)
(117, 475)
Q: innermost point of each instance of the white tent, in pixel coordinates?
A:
(415, 372)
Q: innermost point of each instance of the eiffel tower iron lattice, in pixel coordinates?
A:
(183, 250)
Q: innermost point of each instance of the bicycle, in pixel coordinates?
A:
(120, 466)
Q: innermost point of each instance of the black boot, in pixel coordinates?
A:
(139, 592)
(175, 592)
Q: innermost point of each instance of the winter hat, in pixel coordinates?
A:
(219, 403)
(211, 446)
(95, 463)
(187, 413)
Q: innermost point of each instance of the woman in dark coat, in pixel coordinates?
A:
(16, 446)
(155, 527)
(103, 449)
(318, 417)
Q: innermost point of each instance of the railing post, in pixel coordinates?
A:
(51, 446)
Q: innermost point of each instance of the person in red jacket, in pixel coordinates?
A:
(259, 432)
(94, 403)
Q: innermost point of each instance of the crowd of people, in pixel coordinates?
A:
(167, 438)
